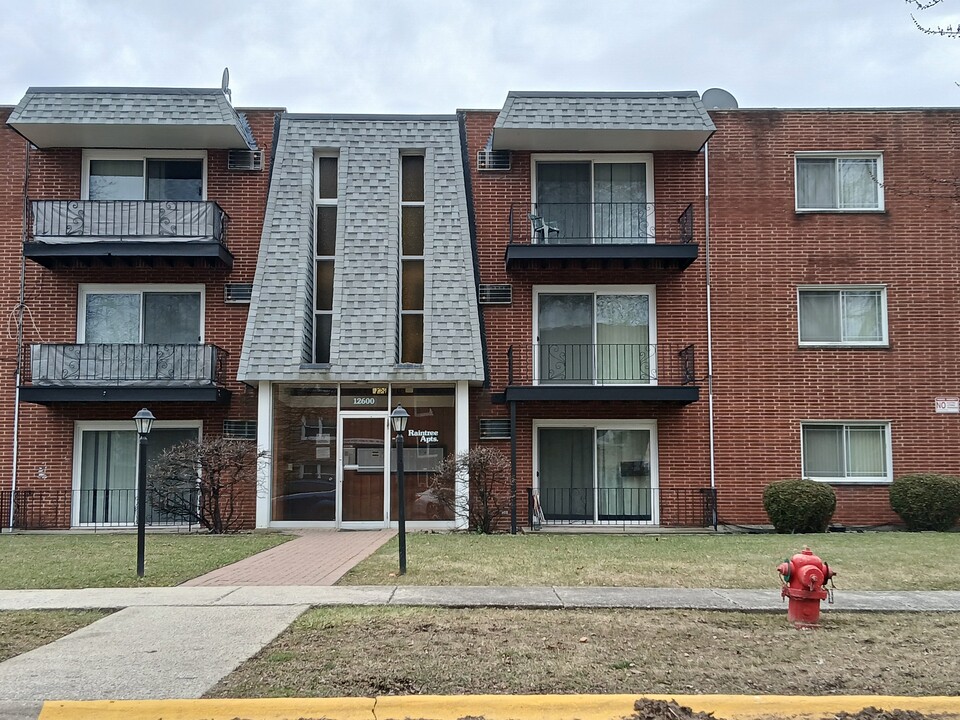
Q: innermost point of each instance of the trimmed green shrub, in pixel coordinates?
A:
(926, 501)
(799, 506)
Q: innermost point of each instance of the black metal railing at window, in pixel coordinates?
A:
(594, 223)
(65, 221)
(160, 365)
(601, 364)
(623, 506)
(95, 508)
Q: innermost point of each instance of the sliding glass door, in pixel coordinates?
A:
(597, 474)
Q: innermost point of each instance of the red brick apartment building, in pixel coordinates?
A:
(806, 260)
(131, 220)
(678, 305)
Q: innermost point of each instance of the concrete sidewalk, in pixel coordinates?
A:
(462, 596)
(178, 642)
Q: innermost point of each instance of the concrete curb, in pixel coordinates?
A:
(490, 707)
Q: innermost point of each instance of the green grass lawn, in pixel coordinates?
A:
(105, 560)
(863, 561)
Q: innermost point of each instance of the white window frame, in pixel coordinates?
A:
(401, 204)
(324, 202)
(840, 289)
(838, 155)
(649, 290)
(81, 425)
(846, 425)
(129, 289)
(596, 425)
(142, 155)
(593, 159)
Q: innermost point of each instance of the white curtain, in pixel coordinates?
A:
(866, 452)
(623, 339)
(858, 183)
(861, 316)
(837, 183)
(816, 183)
(823, 451)
(623, 473)
(108, 462)
(620, 203)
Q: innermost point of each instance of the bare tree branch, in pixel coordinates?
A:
(948, 31)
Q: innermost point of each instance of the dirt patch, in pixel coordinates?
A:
(872, 713)
(346, 651)
(663, 710)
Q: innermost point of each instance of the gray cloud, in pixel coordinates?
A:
(438, 55)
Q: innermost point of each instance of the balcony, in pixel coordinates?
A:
(621, 506)
(98, 508)
(68, 232)
(607, 372)
(624, 232)
(124, 373)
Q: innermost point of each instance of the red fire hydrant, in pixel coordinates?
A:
(805, 579)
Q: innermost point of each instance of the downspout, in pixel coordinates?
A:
(706, 250)
(19, 314)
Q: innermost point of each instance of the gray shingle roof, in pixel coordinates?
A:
(529, 118)
(43, 109)
(364, 342)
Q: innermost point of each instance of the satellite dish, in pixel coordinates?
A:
(718, 99)
(225, 84)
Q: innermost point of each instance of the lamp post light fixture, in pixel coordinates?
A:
(398, 419)
(144, 420)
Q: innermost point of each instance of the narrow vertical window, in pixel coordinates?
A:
(325, 245)
(411, 258)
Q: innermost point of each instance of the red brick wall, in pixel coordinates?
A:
(680, 314)
(46, 432)
(761, 250)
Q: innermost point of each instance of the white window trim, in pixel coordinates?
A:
(324, 202)
(649, 290)
(596, 425)
(422, 313)
(126, 289)
(81, 425)
(882, 343)
(885, 424)
(593, 159)
(144, 155)
(839, 155)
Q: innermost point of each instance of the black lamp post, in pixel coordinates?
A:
(398, 418)
(144, 420)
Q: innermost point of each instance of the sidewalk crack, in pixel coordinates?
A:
(373, 710)
(392, 593)
(557, 596)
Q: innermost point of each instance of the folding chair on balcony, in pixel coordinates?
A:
(542, 230)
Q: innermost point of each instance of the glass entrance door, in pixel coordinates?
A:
(363, 470)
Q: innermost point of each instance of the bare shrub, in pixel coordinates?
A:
(203, 482)
(490, 496)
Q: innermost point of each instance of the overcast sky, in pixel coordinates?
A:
(436, 56)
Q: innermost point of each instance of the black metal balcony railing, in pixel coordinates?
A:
(676, 507)
(127, 364)
(58, 509)
(601, 364)
(66, 221)
(593, 223)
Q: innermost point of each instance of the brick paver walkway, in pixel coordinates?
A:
(318, 557)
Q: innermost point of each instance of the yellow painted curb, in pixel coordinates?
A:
(491, 707)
